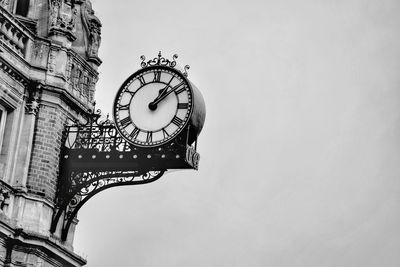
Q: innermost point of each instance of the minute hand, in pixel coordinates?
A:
(162, 96)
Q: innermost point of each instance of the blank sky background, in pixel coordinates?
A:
(300, 152)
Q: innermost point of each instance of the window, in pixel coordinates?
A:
(22, 7)
(3, 115)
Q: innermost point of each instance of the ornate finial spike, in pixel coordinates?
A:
(159, 58)
(186, 68)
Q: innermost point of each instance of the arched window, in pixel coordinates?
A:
(22, 7)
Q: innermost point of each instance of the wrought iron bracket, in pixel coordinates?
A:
(95, 157)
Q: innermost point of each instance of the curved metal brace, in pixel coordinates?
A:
(84, 189)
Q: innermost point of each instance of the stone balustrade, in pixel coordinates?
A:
(12, 34)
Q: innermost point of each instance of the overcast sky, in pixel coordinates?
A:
(300, 152)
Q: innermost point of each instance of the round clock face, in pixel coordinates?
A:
(153, 106)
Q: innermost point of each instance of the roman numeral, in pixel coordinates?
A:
(141, 80)
(165, 133)
(157, 76)
(130, 92)
(149, 137)
(183, 105)
(177, 121)
(134, 133)
(178, 89)
(123, 107)
(125, 122)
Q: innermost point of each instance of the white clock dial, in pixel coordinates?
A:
(153, 106)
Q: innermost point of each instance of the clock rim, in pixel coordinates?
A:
(133, 76)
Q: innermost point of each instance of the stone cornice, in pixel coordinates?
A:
(51, 247)
(11, 69)
(66, 97)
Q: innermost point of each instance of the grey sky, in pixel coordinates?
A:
(300, 153)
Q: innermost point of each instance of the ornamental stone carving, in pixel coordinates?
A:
(62, 17)
(93, 26)
(33, 99)
(4, 3)
(4, 199)
(51, 64)
(68, 69)
(72, 22)
(77, 77)
(55, 6)
(38, 50)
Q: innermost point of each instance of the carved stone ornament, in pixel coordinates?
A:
(51, 64)
(72, 21)
(77, 77)
(4, 3)
(62, 16)
(33, 99)
(55, 6)
(37, 48)
(68, 70)
(93, 26)
(4, 199)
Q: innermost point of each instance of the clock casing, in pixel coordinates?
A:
(155, 105)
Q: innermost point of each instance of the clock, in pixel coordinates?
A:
(153, 106)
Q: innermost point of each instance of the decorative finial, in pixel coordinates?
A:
(159, 60)
(185, 73)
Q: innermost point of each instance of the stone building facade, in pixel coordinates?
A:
(48, 71)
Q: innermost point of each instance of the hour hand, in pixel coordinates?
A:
(162, 95)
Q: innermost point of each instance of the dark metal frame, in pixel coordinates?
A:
(95, 157)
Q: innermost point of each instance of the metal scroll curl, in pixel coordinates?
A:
(84, 186)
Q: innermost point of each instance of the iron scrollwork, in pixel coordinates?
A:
(84, 185)
(160, 61)
(97, 133)
(95, 157)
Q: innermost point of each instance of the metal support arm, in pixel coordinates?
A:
(95, 157)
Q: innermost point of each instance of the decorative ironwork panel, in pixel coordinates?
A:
(83, 185)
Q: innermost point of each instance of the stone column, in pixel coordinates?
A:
(26, 140)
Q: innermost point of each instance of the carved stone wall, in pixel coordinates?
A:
(48, 72)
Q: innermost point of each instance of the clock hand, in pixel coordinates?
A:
(163, 94)
(153, 105)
